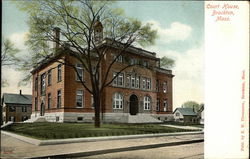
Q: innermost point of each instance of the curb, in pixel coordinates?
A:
(93, 139)
(132, 148)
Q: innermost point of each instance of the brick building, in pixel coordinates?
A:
(16, 107)
(141, 93)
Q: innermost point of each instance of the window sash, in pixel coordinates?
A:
(117, 101)
(79, 69)
(120, 79)
(143, 83)
(147, 103)
(79, 98)
(158, 105)
(49, 77)
(137, 84)
(59, 72)
(164, 87)
(49, 101)
(148, 84)
(59, 100)
(43, 84)
(133, 81)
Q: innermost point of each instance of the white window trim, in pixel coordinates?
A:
(165, 105)
(119, 100)
(120, 76)
(79, 68)
(164, 85)
(82, 95)
(133, 79)
(158, 105)
(146, 102)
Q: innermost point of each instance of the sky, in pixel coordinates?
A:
(180, 27)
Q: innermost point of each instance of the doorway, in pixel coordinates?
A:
(133, 105)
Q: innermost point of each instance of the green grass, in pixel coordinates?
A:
(77, 130)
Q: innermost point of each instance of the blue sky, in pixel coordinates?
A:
(180, 26)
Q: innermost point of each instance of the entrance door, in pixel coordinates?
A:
(42, 109)
(133, 106)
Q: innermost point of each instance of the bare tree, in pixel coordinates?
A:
(82, 25)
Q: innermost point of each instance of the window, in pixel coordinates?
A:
(49, 100)
(118, 81)
(133, 61)
(115, 79)
(165, 105)
(36, 103)
(137, 84)
(143, 83)
(164, 87)
(92, 101)
(79, 98)
(133, 81)
(49, 77)
(36, 84)
(43, 84)
(148, 84)
(145, 63)
(12, 109)
(24, 118)
(59, 73)
(177, 114)
(119, 58)
(59, 99)
(158, 104)
(146, 103)
(79, 73)
(128, 81)
(24, 109)
(157, 86)
(12, 118)
(117, 101)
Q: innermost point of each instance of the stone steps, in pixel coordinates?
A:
(36, 120)
(142, 118)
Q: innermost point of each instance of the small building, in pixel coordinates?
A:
(186, 115)
(16, 107)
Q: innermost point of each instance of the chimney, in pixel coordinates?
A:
(56, 37)
(20, 92)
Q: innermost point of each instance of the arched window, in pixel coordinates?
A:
(147, 102)
(117, 101)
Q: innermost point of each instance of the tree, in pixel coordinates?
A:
(167, 62)
(192, 104)
(77, 22)
(9, 52)
(8, 57)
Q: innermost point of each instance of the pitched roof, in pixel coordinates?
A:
(9, 98)
(186, 111)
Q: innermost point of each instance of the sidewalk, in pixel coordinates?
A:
(14, 148)
(184, 127)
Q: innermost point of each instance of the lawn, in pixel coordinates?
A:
(76, 130)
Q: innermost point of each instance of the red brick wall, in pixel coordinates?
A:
(165, 96)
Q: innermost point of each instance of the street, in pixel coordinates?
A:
(189, 151)
(149, 148)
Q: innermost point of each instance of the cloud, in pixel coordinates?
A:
(188, 82)
(176, 32)
(18, 39)
(13, 77)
